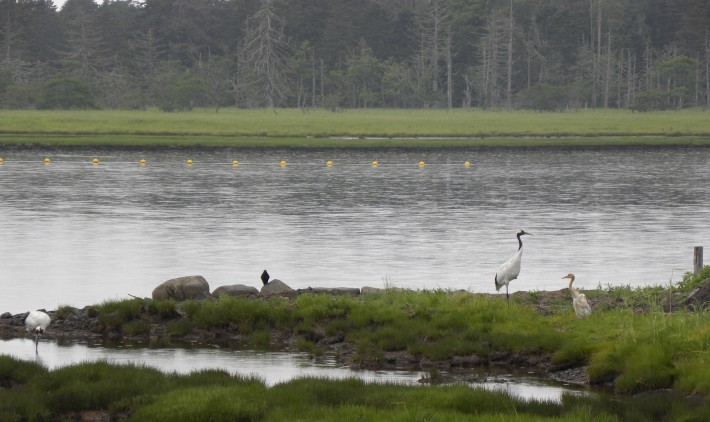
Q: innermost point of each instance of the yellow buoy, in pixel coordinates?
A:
(47, 160)
(375, 164)
(142, 162)
(329, 163)
(95, 161)
(282, 163)
(467, 164)
(189, 162)
(235, 163)
(1, 160)
(421, 164)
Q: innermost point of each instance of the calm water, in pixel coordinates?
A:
(271, 367)
(74, 233)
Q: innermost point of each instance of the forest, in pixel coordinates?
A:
(335, 54)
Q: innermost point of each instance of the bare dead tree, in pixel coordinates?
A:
(266, 53)
(509, 60)
(493, 52)
(433, 30)
(85, 45)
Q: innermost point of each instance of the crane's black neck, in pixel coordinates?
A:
(520, 241)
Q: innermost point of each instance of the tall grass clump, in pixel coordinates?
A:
(114, 313)
(63, 311)
(217, 403)
(692, 281)
(166, 309)
(439, 325)
(96, 385)
(248, 315)
(640, 351)
(352, 399)
(13, 371)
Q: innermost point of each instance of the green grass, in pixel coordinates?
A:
(636, 351)
(140, 393)
(294, 128)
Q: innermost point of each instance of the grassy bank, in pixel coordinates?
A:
(28, 391)
(630, 341)
(636, 352)
(295, 128)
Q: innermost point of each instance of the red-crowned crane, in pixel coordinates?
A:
(36, 323)
(511, 268)
(579, 300)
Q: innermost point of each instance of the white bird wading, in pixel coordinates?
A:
(36, 323)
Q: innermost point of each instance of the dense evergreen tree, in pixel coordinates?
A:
(178, 54)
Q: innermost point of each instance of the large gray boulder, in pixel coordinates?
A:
(700, 297)
(183, 288)
(235, 290)
(368, 290)
(275, 287)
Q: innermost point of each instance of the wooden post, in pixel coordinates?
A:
(698, 260)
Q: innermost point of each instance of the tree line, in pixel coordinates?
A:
(180, 54)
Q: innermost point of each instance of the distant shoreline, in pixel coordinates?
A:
(357, 128)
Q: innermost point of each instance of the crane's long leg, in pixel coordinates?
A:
(36, 343)
(507, 300)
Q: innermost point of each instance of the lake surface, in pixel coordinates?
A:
(271, 367)
(75, 233)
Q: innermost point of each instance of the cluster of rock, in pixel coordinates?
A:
(196, 287)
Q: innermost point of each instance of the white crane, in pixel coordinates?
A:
(579, 300)
(36, 322)
(511, 268)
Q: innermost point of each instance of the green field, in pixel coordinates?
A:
(317, 128)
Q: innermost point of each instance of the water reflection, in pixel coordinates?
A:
(74, 233)
(271, 367)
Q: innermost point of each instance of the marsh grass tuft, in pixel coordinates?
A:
(116, 312)
(692, 281)
(233, 403)
(136, 327)
(166, 309)
(63, 311)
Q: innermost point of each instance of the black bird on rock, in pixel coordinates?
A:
(265, 278)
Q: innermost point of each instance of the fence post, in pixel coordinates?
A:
(697, 259)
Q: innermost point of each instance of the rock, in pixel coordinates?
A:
(699, 298)
(351, 291)
(435, 364)
(366, 290)
(469, 361)
(6, 315)
(572, 376)
(275, 287)
(235, 290)
(183, 288)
